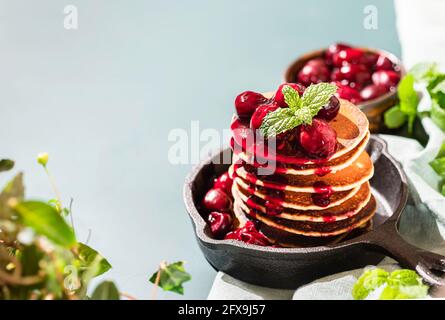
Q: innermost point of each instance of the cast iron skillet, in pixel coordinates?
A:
(289, 268)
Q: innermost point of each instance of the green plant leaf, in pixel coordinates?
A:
(13, 189)
(404, 277)
(46, 221)
(438, 165)
(291, 97)
(394, 117)
(172, 277)
(88, 256)
(424, 71)
(107, 290)
(318, 95)
(278, 121)
(6, 164)
(368, 282)
(408, 99)
(438, 115)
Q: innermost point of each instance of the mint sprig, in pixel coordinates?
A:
(301, 109)
(399, 284)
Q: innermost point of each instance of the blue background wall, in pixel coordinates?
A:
(102, 99)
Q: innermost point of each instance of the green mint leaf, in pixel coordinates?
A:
(441, 153)
(408, 99)
(438, 114)
(278, 121)
(404, 277)
(46, 221)
(172, 277)
(442, 187)
(107, 290)
(87, 256)
(438, 165)
(301, 110)
(424, 71)
(291, 97)
(6, 164)
(317, 95)
(439, 88)
(394, 117)
(392, 293)
(368, 282)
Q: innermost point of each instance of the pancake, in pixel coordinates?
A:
(291, 240)
(315, 229)
(290, 199)
(354, 175)
(346, 210)
(330, 166)
(350, 124)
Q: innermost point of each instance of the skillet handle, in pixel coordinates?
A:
(427, 264)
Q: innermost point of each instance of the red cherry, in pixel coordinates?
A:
(348, 93)
(217, 200)
(386, 78)
(357, 73)
(370, 59)
(223, 182)
(279, 98)
(248, 234)
(319, 139)
(247, 102)
(314, 71)
(349, 56)
(372, 91)
(333, 49)
(383, 63)
(260, 113)
(220, 224)
(330, 110)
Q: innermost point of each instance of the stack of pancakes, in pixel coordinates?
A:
(314, 202)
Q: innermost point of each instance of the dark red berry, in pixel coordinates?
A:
(372, 91)
(260, 113)
(348, 93)
(349, 56)
(248, 234)
(217, 200)
(272, 208)
(279, 98)
(370, 59)
(387, 78)
(247, 102)
(314, 71)
(329, 111)
(224, 182)
(220, 224)
(319, 139)
(334, 49)
(357, 73)
(383, 63)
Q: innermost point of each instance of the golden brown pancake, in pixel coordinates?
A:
(316, 229)
(356, 174)
(290, 199)
(291, 240)
(331, 166)
(345, 210)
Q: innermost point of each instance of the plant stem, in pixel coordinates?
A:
(154, 291)
(54, 187)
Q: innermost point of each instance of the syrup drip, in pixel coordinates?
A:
(322, 195)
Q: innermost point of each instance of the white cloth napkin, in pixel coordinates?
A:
(422, 223)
